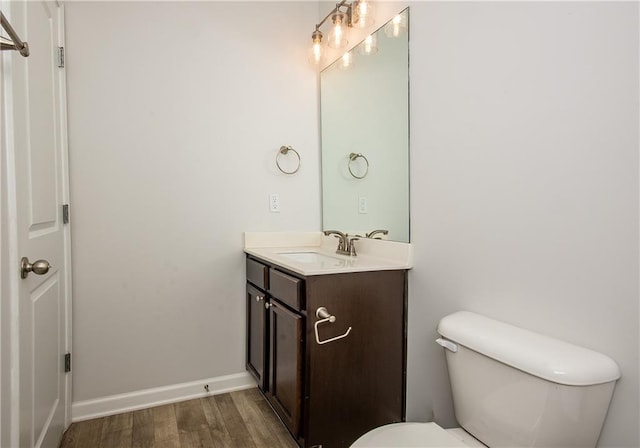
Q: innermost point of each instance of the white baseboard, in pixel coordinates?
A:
(147, 398)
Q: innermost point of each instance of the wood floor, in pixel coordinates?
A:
(240, 419)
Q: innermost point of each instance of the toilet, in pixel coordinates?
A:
(511, 388)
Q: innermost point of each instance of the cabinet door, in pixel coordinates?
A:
(285, 384)
(257, 335)
(356, 383)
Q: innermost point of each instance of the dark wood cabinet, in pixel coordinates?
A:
(285, 378)
(257, 335)
(328, 394)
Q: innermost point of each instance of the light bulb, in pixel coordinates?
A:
(338, 36)
(363, 13)
(369, 45)
(346, 61)
(395, 26)
(316, 55)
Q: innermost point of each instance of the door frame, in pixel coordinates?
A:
(9, 248)
(66, 199)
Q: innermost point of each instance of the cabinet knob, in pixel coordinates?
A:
(267, 305)
(259, 298)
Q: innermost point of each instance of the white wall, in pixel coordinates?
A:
(524, 183)
(176, 112)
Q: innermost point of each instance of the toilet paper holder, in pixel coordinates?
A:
(325, 316)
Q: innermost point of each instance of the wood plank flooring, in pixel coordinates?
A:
(241, 419)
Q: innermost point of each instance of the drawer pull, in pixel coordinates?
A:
(324, 316)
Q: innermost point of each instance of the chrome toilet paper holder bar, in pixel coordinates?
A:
(325, 316)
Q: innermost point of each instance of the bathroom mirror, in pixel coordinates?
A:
(364, 104)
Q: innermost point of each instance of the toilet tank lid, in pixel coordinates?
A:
(534, 353)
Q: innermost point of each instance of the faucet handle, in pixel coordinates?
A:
(352, 246)
(340, 242)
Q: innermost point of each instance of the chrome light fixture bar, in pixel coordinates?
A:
(345, 15)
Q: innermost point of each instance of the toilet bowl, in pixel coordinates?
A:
(404, 435)
(511, 388)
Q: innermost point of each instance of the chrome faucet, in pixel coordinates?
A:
(345, 244)
(375, 232)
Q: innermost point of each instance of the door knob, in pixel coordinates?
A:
(39, 267)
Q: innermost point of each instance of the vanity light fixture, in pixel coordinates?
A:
(362, 13)
(338, 34)
(316, 55)
(344, 15)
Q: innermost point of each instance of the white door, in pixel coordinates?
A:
(38, 119)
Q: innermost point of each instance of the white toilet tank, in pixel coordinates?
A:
(516, 388)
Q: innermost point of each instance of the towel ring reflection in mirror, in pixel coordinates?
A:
(352, 157)
(283, 151)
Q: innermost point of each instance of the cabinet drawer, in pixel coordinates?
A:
(257, 273)
(286, 288)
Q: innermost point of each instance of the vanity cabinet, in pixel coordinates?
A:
(327, 389)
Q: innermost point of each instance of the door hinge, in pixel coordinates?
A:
(65, 213)
(61, 57)
(67, 362)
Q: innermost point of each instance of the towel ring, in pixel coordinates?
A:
(353, 156)
(284, 150)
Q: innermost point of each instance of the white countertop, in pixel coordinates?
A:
(312, 253)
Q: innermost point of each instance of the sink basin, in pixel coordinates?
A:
(312, 257)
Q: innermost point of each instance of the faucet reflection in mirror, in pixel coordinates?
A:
(358, 13)
(373, 233)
